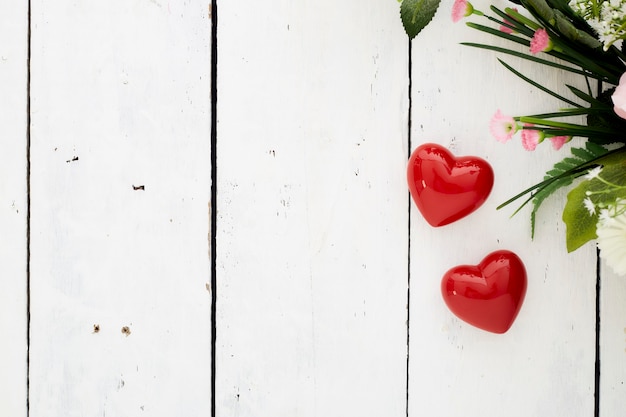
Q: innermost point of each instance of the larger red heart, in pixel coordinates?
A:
(446, 188)
(488, 295)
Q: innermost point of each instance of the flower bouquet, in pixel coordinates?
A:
(584, 38)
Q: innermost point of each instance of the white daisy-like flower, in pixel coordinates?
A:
(591, 208)
(612, 241)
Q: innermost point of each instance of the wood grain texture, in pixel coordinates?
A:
(312, 209)
(612, 343)
(13, 207)
(120, 196)
(317, 257)
(544, 365)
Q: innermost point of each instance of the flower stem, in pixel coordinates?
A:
(561, 125)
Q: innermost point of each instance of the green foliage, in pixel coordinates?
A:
(601, 191)
(563, 174)
(416, 14)
(605, 118)
(580, 223)
(578, 51)
(574, 42)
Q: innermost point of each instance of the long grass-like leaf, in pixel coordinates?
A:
(523, 20)
(568, 54)
(587, 97)
(539, 186)
(598, 152)
(508, 22)
(563, 125)
(576, 53)
(567, 113)
(533, 59)
(562, 175)
(537, 85)
(581, 158)
(498, 33)
(591, 65)
(516, 21)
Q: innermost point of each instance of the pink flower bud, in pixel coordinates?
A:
(559, 141)
(531, 137)
(461, 9)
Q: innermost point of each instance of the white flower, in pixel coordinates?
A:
(593, 173)
(612, 241)
(591, 208)
(606, 17)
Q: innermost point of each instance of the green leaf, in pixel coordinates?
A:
(564, 173)
(584, 96)
(603, 190)
(532, 58)
(596, 149)
(416, 14)
(567, 29)
(499, 33)
(556, 182)
(580, 224)
(582, 153)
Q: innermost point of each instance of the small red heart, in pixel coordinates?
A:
(488, 295)
(446, 188)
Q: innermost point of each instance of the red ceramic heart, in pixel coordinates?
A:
(488, 295)
(446, 188)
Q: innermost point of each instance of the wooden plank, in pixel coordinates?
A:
(312, 209)
(120, 197)
(544, 365)
(612, 343)
(13, 207)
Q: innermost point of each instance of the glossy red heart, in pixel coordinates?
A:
(488, 295)
(446, 188)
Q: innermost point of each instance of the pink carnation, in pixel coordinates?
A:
(502, 127)
(619, 98)
(461, 9)
(540, 42)
(559, 141)
(531, 137)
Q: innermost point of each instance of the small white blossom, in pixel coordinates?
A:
(593, 173)
(606, 17)
(591, 208)
(604, 216)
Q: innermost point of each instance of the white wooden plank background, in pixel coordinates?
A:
(312, 206)
(120, 99)
(545, 364)
(13, 207)
(324, 268)
(612, 343)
